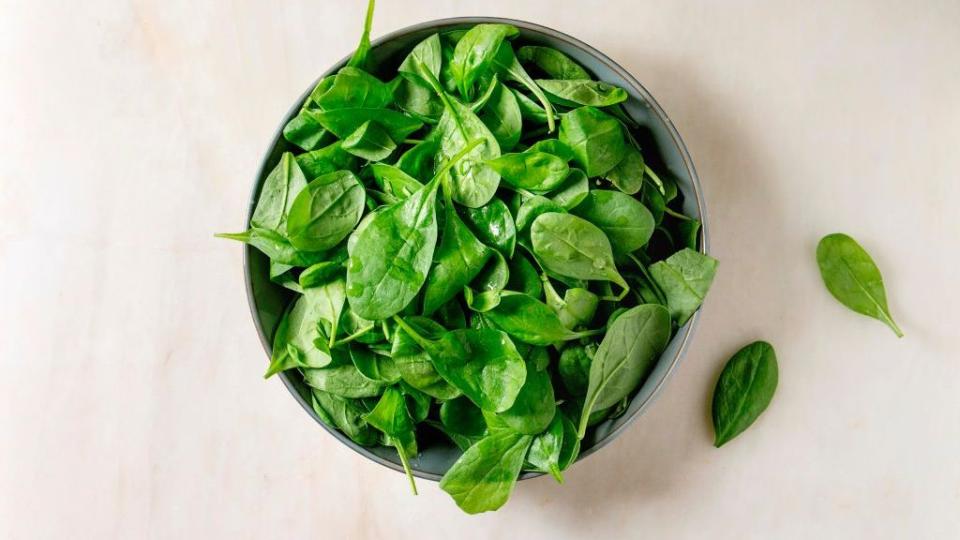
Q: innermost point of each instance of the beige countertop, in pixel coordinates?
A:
(131, 402)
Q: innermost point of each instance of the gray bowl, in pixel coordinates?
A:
(661, 144)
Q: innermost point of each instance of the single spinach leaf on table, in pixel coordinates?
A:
(853, 278)
(414, 364)
(596, 139)
(625, 357)
(370, 142)
(552, 62)
(573, 247)
(493, 225)
(538, 172)
(325, 212)
(583, 92)
(390, 416)
(544, 453)
(627, 223)
(684, 278)
(484, 476)
(744, 390)
(475, 52)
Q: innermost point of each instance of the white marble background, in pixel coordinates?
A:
(131, 403)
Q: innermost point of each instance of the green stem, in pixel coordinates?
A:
(656, 179)
(412, 141)
(422, 341)
(670, 212)
(455, 158)
(240, 237)
(653, 284)
(352, 336)
(555, 472)
(406, 464)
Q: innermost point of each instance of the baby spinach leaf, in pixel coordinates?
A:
(458, 260)
(529, 211)
(510, 70)
(346, 415)
(425, 58)
(570, 246)
(626, 355)
(394, 181)
(555, 147)
(493, 225)
(853, 278)
(370, 142)
(461, 416)
(325, 160)
(305, 131)
(483, 364)
(501, 114)
(583, 92)
(574, 367)
(571, 443)
(354, 87)
(573, 190)
(530, 111)
(414, 363)
(495, 274)
(376, 367)
(379, 286)
(484, 476)
(744, 390)
(325, 212)
(535, 405)
(577, 307)
(299, 341)
(627, 223)
(342, 380)
(418, 100)
(277, 194)
(524, 277)
(529, 320)
(627, 176)
(392, 418)
(418, 160)
(275, 246)
(359, 58)
(596, 139)
(343, 122)
(684, 278)
(475, 52)
(544, 453)
(483, 301)
(533, 171)
(552, 62)
(473, 183)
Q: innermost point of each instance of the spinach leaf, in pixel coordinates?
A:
(275, 246)
(344, 414)
(627, 223)
(583, 92)
(325, 212)
(529, 211)
(684, 278)
(510, 70)
(359, 58)
(626, 355)
(394, 181)
(342, 380)
(529, 320)
(461, 416)
(353, 87)
(475, 52)
(370, 142)
(376, 367)
(493, 225)
(744, 390)
(535, 405)
(570, 449)
(418, 161)
(544, 453)
(495, 274)
(538, 172)
(473, 184)
(574, 368)
(343, 122)
(482, 301)
(524, 277)
(577, 307)
(484, 476)
(530, 111)
(555, 147)
(627, 176)
(305, 131)
(425, 60)
(552, 62)
(325, 160)
(502, 115)
(853, 278)
(573, 247)
(573, 190)
(414, 363)
(596, 139)
(392, 418)
(418, 100)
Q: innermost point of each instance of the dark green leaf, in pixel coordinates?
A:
(414, 363)
(484, 476)
(325, 212)
(573, 190)
(535, 405)
(570, 246)
(744, 390)
(583, 92)
(493, 225)
(595, 137)
(538, 172)
(552, 62)
(370, 142)
(458, 260)
(475, 52)
(574, 368)
(684, 278)
(501, 114)
(627, 223)
(544, 453)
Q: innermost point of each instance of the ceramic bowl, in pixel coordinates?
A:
(661, 145)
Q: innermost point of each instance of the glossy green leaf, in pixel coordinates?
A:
(595, 137)
(570, 246)
(583, 92)
(370, 142)
(502, 115)
(414, 364)
(484, 476)
(493, 224)
(326, 211)
(684, 278)
(538, 172)
(744, 390)
(475, 52)
(627, 223)
(573, 190)
(535, 405)
(552, 62)
(279, 190)
(460, 257)
(544, 453)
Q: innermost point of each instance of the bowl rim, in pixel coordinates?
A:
(438, 25)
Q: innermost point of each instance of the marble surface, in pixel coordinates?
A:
(131, 403)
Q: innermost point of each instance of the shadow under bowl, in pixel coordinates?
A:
(662, 146)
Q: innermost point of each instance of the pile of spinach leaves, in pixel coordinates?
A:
(479, 250)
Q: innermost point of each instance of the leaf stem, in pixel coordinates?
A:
(671, 212)
(406, 463)
(352, 336)
(656, 179)
(422, 341)
(646, 274)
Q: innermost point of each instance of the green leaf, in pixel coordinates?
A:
(510, 69)
(458, 260)
(583, 92)
(275, 246)
(494, 275)
(574, 367)
(684, 278)
(390, 416)
(351, 88)
(325, 160)
(744, 390)
(555, 147)
(552, 62)
(530, 111)
(627, 176)
(414, 364)
(343, 122)
(573, 247)
(625, 357)
(461, 416)
(425, 60)
(627, 223)
(279, 189)
(595, 137)
(359, 58)
(853, 278)
(305, 131)
(529, 320)
(501, 114)
(544, 453)
(524, 276)
(535, 405)
(493, 224)
(326, 211)
(418, 100)
(473, 184)
(484, 476)
(538, 172)
(573, 190)
(475, 52)
(370, 142)
(346, 415)
(342, 380)
(376, 367)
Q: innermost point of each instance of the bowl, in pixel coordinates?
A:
(661, 145)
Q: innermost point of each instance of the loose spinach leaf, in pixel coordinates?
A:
(359, 58)
(684, 278)
(305, 131)
(552, 62)
(394, 181)
(595, 137)
(555, 147)
(484, 476)
(473, 183)
(538, 172)
(418, 100)
(325, 212)
(627, 223)
(626, 355)
(583, 92)
(275, 246)
(853, 278)
(475, 52)
(570, 246)
(744, 390)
